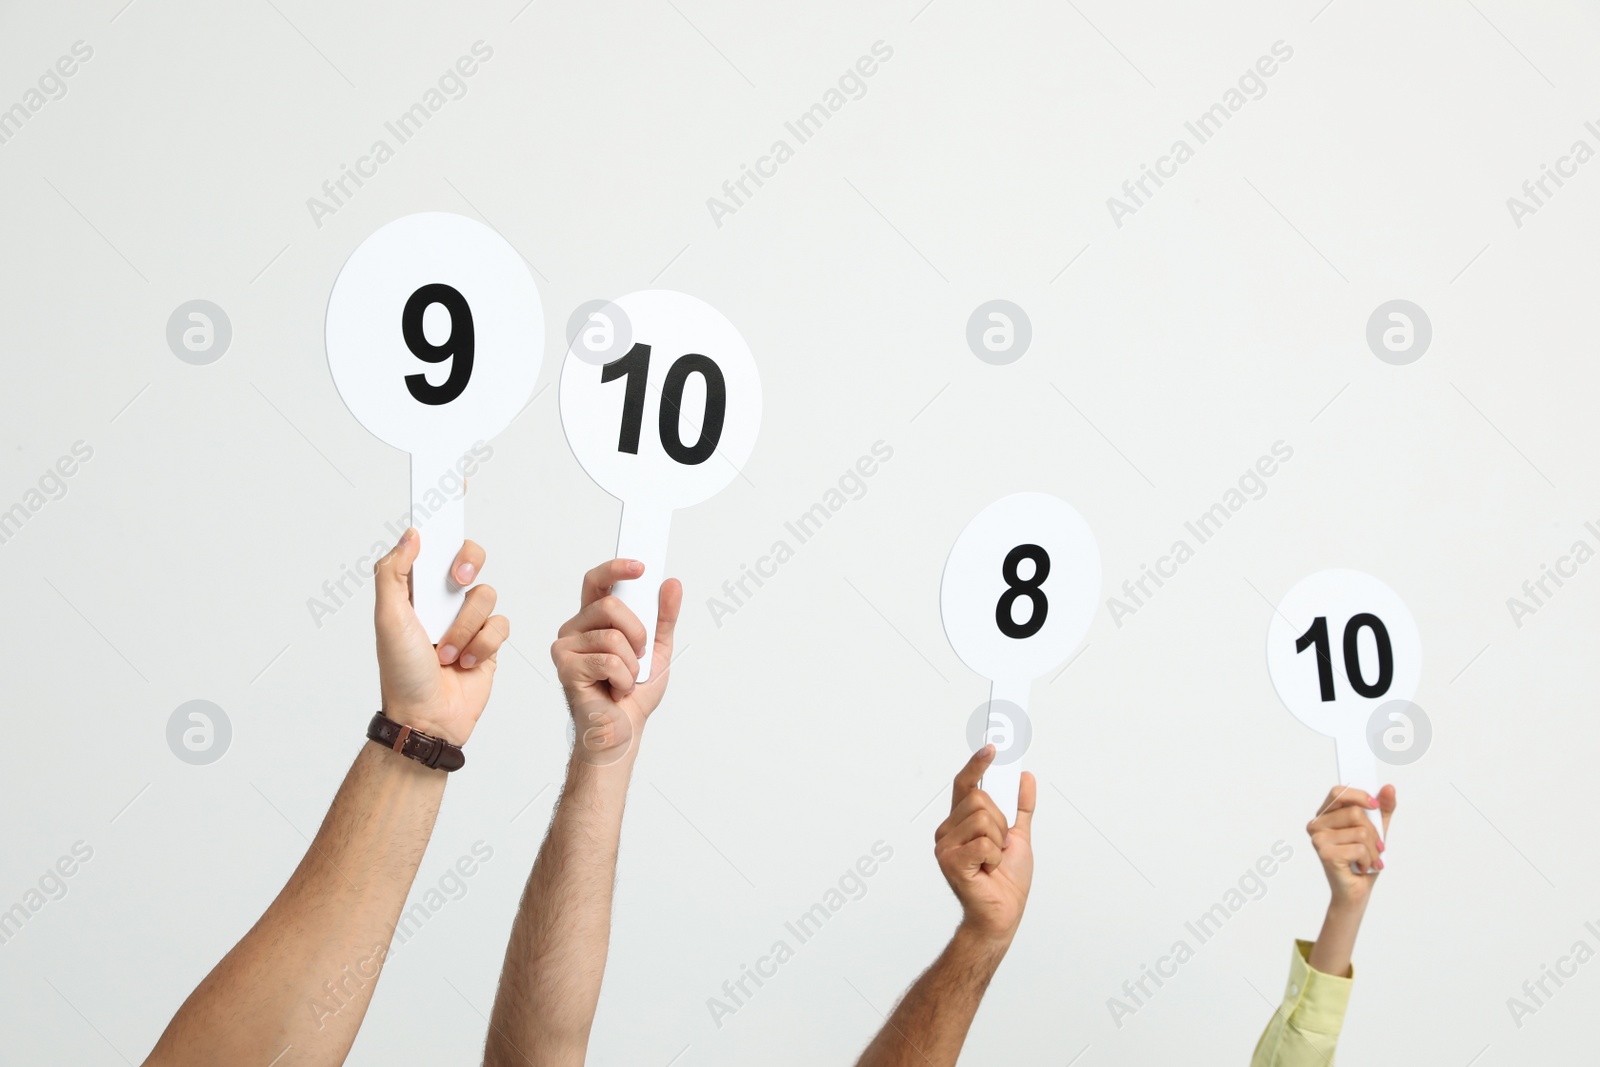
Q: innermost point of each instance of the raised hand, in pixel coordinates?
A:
(597, 654)
(1351, 854)
(989, 866)
(436, 691)
(1347, 843)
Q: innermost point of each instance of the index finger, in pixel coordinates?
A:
(597, 583)
(969, 776)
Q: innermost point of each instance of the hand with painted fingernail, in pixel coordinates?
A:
(1352, 855)
(438, 690)
(1347, 843)
(597, 654)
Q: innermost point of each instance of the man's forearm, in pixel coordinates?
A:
(556, 958)
(930, 1024)
(305, 973)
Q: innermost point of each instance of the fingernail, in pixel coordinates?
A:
(635, 567)
(411, 531)
(1372, 802)
(465, 572)
(468, 659)
(1380, 865)
(447, 653)
(1381, 845)
(1006, 840)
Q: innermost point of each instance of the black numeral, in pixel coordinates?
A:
(457, 348)
(1016, 588)
(1318, 635)
(635, 367)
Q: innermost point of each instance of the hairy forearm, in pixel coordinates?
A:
(550, 983)
(1337, 939)
(302, 978)
(930, 1024)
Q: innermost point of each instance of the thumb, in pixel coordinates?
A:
(1386, 805)
(1027, 796)
(671, 602)
(392, 573)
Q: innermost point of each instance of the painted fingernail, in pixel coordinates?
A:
(465, 572)
(1372, 802)
(1381, 845)
(468, 659)
(447, 653)
(1380, 865)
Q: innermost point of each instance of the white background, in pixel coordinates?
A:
(1227, 314)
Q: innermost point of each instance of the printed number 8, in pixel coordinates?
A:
(458, 347)
(1017, 587)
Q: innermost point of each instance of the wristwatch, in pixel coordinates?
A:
(413, 744)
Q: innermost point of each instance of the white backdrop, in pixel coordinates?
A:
(1225, 314)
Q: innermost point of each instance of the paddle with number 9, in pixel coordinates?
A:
(435, 336)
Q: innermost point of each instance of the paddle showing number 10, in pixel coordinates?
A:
(1333, 685)
(664, 426)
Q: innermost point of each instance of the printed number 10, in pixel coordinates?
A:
(634, 368)
(1318, 635)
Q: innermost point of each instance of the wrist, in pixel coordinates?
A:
(1347, 908)
(975, 941)
(425, 720)
(603, 738)
(601, 764)
(388, 761)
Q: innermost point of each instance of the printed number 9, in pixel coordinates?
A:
(458, 347)
(1017, 587)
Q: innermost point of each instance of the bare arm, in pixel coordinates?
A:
(294, 990)
(930, 1023)
(1343, 836)
(555, 960)
(990, 869)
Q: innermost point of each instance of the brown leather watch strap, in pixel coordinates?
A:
(425, 749)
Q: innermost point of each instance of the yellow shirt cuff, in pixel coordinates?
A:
(1315, 1002)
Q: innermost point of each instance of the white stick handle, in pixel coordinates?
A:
(1002, 780)
(434, 594)
(1358, 769)
(643, 536)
